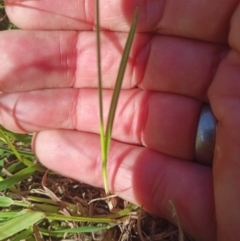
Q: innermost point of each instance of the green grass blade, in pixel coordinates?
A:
(25, 154)
(5, 137)
(20, 223)
(16, 178)
(100, 95)
(86, 229)
(24, 138)
(9, 214)
(5, 201)
(14, 150)
(59, 217)
(119, 80)
(100, 78)
(115, 97)
(23, 235)
(15, 167)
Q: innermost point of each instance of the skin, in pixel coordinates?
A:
(187, 53)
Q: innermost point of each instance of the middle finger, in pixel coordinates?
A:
(44, 59)
(163, 122)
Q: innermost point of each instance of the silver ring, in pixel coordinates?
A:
(205, 137)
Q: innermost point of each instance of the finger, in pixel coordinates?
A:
(225, 101)
(163, 122)
(138, 175)
(38, 60)
(205, 20)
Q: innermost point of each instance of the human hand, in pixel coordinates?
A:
(48, 82)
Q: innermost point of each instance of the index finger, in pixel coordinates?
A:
(204, 19)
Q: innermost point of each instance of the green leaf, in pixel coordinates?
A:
(24, 138)
(15, 167)
(16, 153)
(19, 223)
(23, 235)
(87, 229)
(10, 214)
(46, 208)
(4, 153)
(1, 164)
(7, 152)
(5, 201)
(59, 217)
(17, 177)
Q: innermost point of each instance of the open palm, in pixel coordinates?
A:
(185, 53)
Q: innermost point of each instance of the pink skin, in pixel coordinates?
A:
(48, 85)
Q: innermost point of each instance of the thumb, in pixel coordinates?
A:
(224, 95)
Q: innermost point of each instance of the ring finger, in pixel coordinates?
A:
(170, 130)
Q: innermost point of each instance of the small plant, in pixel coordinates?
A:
(105, 135)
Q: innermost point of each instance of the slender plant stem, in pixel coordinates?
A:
(105, 136)
(102, 137)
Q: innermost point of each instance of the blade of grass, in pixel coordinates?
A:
(87, 229)
(105, 137)
(17, 177)
(14, 150)
(7, 202)
(24, 138)
(119, 80)
(58, 217)
(9, 214)
(23, 235)
(99, 78)
(20, 223)
(26, 154)
(47, 233)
